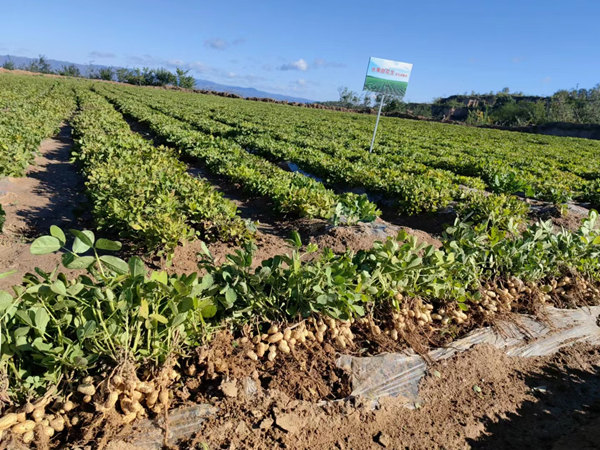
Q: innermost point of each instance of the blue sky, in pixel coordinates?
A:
(310, 48)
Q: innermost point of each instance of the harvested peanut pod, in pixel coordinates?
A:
(86, 389)
(261, 348)
(275, 337)
(38, 414)
(8, 420)
(23, 427)
(28, 437)
(283, 347)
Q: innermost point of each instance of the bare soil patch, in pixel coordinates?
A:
(272, 239)
(51, 193)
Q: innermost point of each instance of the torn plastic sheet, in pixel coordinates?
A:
(398, 374)
(183, 423)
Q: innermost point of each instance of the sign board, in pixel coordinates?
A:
(387, 77)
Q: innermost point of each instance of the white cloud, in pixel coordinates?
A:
(175, 62)
(301, 65)
(197, 66)
(546, 80)
(222, 44)
(99, 54)
(145, 59)
(301, 82)
(216, 44)
(320, 62)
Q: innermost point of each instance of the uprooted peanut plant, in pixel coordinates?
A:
(111, 341)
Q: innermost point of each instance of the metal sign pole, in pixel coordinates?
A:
(376, 124)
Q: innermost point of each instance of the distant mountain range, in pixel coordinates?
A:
(86, 69)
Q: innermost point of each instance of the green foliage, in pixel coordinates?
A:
(504, 212)
(162, 77)
(290, 192)
(502, 181)
(519, 114)
(55, 328)
(2, 218)
(104, 73)
(592, 193)
(354, 208)
(41, 65)
(415, 186)
(418, 164)
(52, 327)
(32, 109)
(184, 80)
(148, 77)
(143, 192)
(9, 64)
(536, 253)
(70, 71)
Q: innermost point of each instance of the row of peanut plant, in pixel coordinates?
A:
(55, 327)
(414, 187)
(143, 192)
(545, 167)
(31, 109)
(291, 193)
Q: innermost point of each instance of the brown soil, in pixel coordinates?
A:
(507, 413)
(271, 240)
(477, 399)
(363, 235)
(49, 194)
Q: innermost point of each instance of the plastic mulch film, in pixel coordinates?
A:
(183, 423)
(398, 374)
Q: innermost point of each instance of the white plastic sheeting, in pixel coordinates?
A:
(399, 374)
(183, 423)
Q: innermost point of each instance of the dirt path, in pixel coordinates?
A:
(51, 193)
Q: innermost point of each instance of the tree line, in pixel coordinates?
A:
(141, 77)
(502, 108)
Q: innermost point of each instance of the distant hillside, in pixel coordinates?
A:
(246, 92)
(20, 61)
(87, 69)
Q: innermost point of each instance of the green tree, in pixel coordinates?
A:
(162, 77)
(70, 71)
(561, 109)
(40, 65)
(184, 80)
(122, 74)
(8, 64)
(106, 73)
(348, 98)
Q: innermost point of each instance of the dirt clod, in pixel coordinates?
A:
(266, 424)
(383, 439)
(229, 389)
(288, 422)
